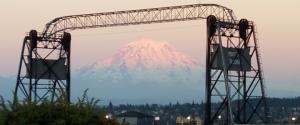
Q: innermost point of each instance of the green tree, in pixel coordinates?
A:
(60, 112)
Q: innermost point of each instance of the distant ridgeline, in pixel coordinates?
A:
(281, 110)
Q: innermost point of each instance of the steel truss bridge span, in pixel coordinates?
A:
(234, 74)
(140, 16)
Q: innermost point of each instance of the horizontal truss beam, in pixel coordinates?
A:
(140, 16)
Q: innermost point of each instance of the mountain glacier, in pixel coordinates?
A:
(144, 70)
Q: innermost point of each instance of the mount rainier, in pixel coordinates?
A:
(144, 71)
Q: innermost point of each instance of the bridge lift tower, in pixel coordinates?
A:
(233, 67)
(233, 74)
(44, 70)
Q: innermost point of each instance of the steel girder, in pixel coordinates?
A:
(136, 17)
(235, 94)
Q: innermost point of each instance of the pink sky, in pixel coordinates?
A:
(277, 21)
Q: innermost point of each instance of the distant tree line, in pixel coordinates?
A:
(280, 109)
(86, 111)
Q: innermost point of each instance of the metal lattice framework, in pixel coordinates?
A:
(233, 74)
(140, 16)
(44, 69)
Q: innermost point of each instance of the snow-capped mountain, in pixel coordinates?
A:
(142, 67)
(147, 53)
(141, 61)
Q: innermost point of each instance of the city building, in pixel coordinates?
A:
(188, 120)
(135, 118)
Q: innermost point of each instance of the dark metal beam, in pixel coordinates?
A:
(139, 16)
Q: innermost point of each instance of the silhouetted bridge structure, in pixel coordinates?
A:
(233, 65)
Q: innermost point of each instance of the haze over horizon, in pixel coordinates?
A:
(276, 22)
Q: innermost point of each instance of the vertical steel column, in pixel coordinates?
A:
(44, 69)
(234, 84)
(211, 29)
